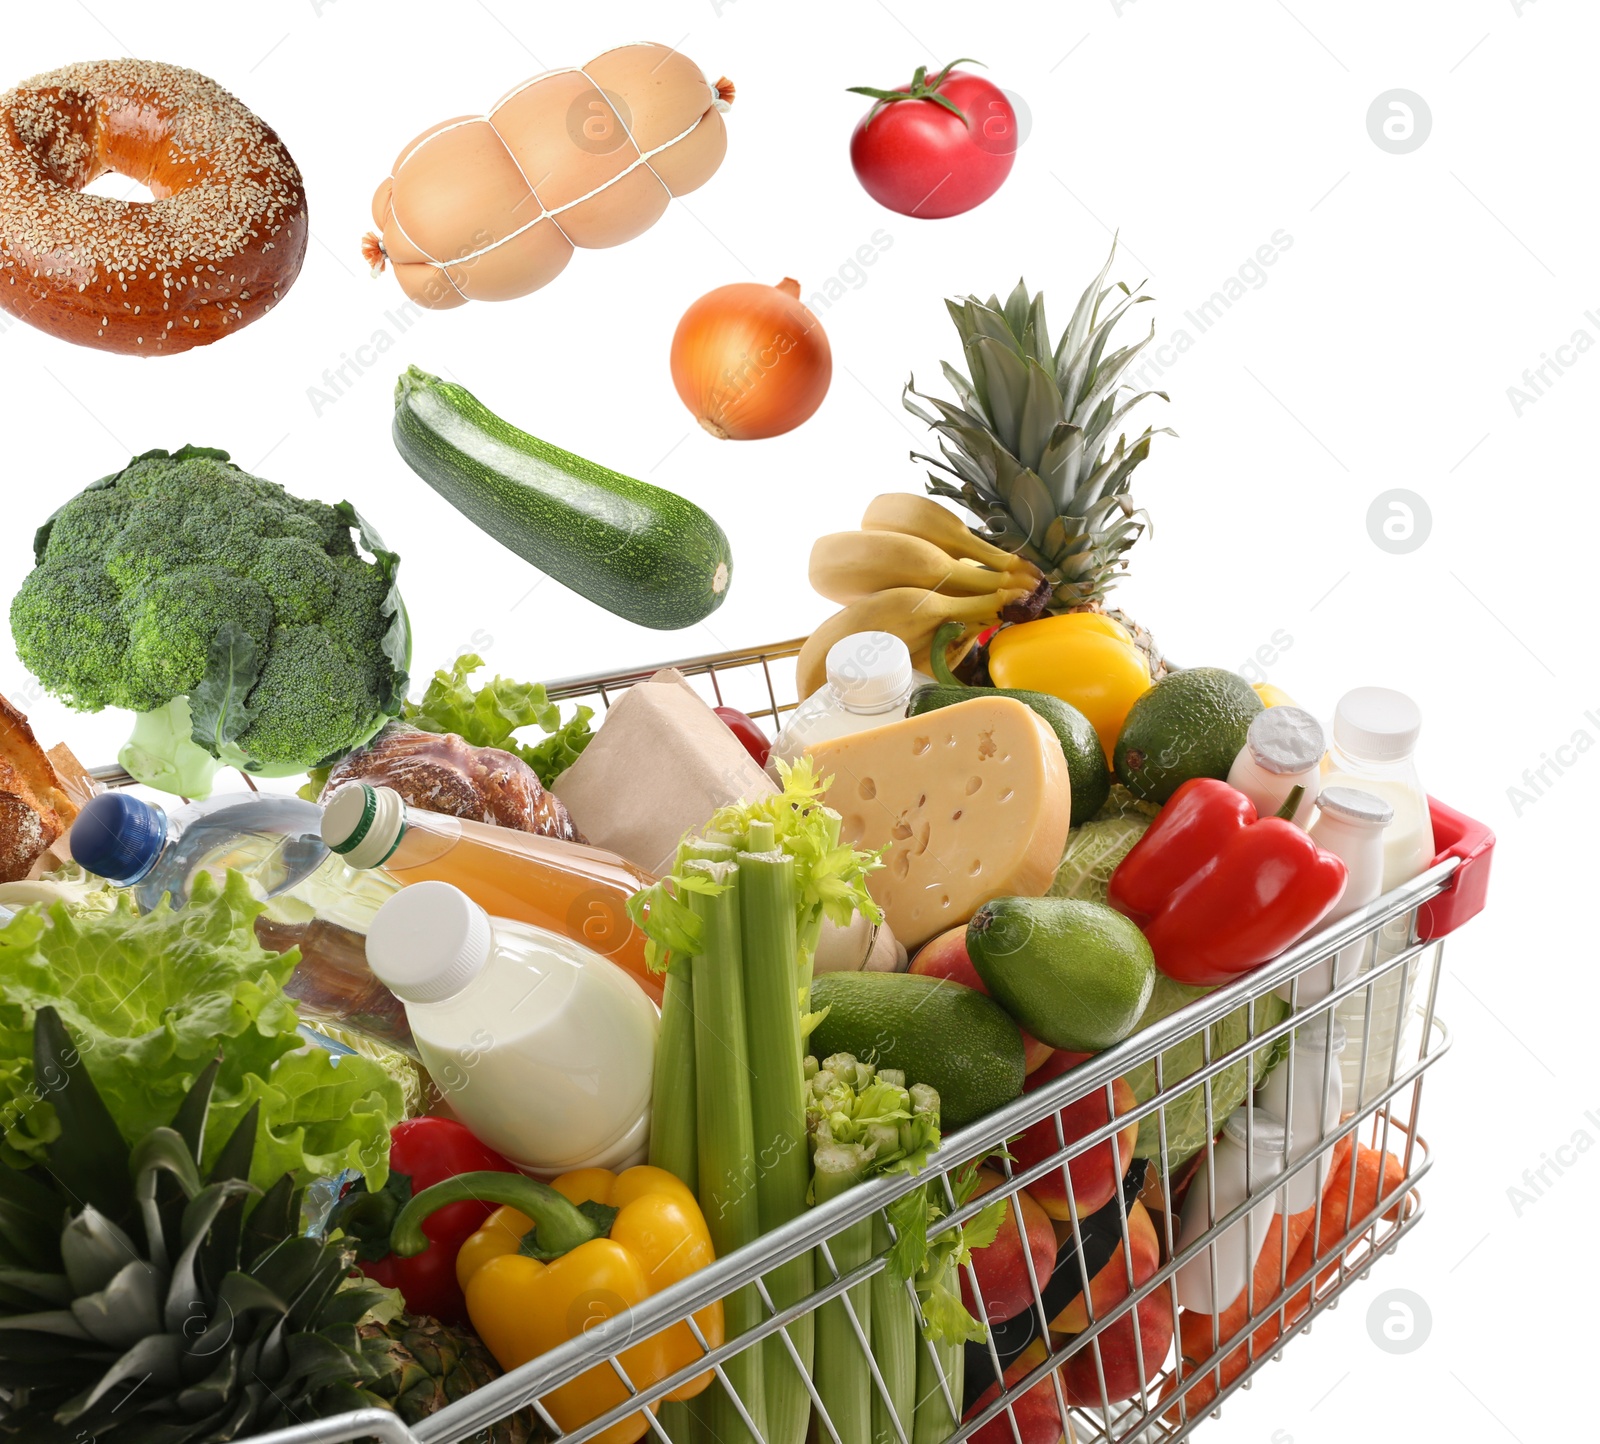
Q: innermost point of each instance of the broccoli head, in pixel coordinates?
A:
(245, 626)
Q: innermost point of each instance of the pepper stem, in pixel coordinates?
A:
(559, 1225)
(1291, 804)
(938, 659)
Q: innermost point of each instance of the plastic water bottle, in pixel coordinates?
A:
(870, 680)
(274, 839)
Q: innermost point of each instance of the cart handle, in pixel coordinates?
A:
(1472, 845)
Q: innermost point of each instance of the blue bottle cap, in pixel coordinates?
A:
(118, 837)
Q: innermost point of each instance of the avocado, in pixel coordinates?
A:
(1080, 745)
(938, 1032)
(1190, 724)
(1075, 974)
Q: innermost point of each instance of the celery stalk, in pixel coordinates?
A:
(723, 1129)
(673, 1093)
(767, 903)
(841, 1372)
(894, 1346)
(933, 1422)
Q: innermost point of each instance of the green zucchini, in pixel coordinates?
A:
(637, 550)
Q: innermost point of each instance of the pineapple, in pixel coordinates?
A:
(162, 1310)
(1026, 440)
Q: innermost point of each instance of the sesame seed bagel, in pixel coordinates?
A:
(217, 247)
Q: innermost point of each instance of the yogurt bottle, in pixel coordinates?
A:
(1375, 734)
(1240, 1168)
(543, 1048)
(1350, 824)
(870, 680)
(1313, 1108)
(1283, 750)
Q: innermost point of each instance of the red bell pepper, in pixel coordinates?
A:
(750, 736)
(422, 1152)
(1218, 892)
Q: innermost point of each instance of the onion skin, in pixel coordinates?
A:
(751, 361)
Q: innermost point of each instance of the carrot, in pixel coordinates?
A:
(1376, 1175)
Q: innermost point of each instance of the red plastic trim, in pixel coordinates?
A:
(1457, 835)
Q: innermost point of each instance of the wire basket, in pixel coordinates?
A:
(1101, 1351)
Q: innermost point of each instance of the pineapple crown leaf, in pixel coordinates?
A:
(89, 1157)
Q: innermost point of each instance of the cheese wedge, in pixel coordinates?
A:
(972, 801)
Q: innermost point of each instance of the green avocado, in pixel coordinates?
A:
(1190, 724)
(936, 1031)
(1086, 758)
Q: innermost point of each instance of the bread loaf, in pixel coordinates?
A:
(440, 772)
(34, 808)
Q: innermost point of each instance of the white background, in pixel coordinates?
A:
(1376, 354)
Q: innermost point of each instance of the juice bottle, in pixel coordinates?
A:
(577, 891)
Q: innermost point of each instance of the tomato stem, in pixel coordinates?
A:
(921, 88)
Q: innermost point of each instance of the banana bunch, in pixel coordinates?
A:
(911, 568)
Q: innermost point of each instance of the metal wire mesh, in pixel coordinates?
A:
(1103, 1348)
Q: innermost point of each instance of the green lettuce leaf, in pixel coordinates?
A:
(150, 1001)
(491, 714)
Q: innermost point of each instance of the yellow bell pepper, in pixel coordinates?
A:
(541, 1271)
(1084, 658)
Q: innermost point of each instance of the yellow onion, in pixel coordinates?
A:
(750, 360)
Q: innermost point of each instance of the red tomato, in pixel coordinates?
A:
(751, 737)
(915, 155)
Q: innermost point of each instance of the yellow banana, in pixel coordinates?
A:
(849, 565)
(921, 516)
(913, 614)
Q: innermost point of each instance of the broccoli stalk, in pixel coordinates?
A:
(243, 626)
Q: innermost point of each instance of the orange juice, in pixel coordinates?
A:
(567, 888)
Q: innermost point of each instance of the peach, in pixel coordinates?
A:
(1002, 1267)
(1096, 1173)
(946, 957)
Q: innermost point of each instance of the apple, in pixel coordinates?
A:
(1002, 1267)
(1037, 1413)
(946, 957)
(1096, 1173)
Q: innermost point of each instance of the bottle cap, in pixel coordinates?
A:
(1285, 741)
(1266, 1132)
(869, 671)
(118, 837)
(364, 824)
(428, 942)
(1352, 804)
(1377, 723)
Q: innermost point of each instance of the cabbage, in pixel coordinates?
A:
(1186, 1114)
(1094, 849)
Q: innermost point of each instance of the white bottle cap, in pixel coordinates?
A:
(428, 942)
(1285, 741)
(1352, 804)
(1266, 1133)
(364, 824)
(1377, 723)
(869, 671)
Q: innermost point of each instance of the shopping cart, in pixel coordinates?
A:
(1393, 1037)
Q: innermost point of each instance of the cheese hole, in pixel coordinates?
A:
(1008, 794)
(922, 839)
(944, 899)
(900, 863)
(868, 789)
(920, 745)
(974, 867)
(900, 831)
(956, 815)
(922, 801)
(973, 784)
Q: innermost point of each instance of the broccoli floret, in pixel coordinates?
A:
(330, 685)
(202, 597)
(67, 622)
(171, 621)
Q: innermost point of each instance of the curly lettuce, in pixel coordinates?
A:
(151, 999)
